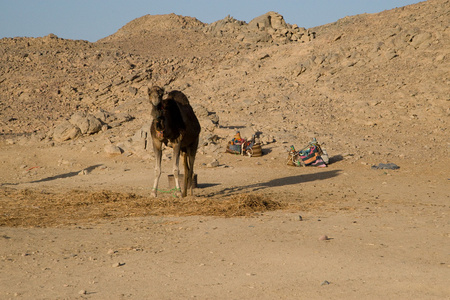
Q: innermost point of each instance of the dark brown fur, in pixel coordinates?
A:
(176, 125)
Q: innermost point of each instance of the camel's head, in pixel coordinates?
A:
(155, 94)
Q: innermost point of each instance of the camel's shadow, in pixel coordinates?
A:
(279, 182)
(66, 175)
(206, 185)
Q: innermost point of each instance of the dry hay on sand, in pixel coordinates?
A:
(29, 208)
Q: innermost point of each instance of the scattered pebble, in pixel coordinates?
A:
(213, 164)
(325, 283)
(82, 292)
(324, 238)
(113, 150)
(83, 172)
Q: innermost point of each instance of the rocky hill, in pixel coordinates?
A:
(365, 85)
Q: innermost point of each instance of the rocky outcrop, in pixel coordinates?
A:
(273, 26)
(268, 28)
(87, 123)
(83, 123)
(65, 131)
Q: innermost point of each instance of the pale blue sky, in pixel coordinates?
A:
(95, 19)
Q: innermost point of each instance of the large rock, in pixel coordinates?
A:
(272, 27)
(87, 123)
(270, 20)
(66, 131)
(113, 150)
(142, 139)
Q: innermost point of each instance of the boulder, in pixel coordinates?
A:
(113, 150)
(87, 123)
(66, 131)
(269, 22)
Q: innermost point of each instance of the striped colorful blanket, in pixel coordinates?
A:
(308, 156)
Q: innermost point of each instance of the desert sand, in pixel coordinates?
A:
(76, 217)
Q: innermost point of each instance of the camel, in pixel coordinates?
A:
(176, 125)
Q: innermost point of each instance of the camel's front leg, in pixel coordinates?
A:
(158, 153)
(176, 169)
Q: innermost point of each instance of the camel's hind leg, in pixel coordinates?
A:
(189, 159)
(186, 174)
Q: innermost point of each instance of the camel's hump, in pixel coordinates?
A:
(178, 97)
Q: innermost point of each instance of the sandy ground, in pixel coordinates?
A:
(388, 232)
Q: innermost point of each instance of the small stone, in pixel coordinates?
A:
(82, 292)
(113, 150)
(83, 172)
(213, 164)
(118, 264)
(324, 238)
